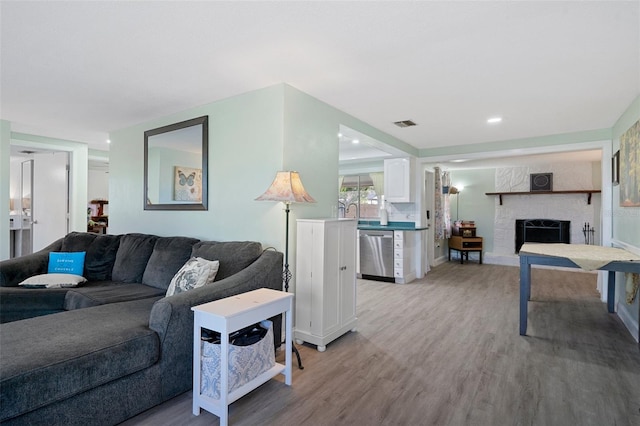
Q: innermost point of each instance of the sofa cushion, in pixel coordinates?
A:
(101, 252)
(132, 257)
(98, 293)
(40, 365)
(169, 254)
(101, 256)
(17, 303)
(77, 241)
(233, 256)
(53, 281)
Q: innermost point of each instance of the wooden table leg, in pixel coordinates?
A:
(611, 292)
(525, 292)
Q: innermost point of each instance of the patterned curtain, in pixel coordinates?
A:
(442, 217)
(446, 182)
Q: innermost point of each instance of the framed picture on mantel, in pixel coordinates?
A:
(541, 182)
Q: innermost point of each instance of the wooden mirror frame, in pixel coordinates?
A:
(202, 204)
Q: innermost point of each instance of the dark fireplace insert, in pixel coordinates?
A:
(542, 231)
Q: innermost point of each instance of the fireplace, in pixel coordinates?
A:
(542, 231)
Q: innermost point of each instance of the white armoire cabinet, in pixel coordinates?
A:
(325, 300)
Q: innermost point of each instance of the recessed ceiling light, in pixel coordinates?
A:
(460, 160)
(355, 141)
(339, 135)
(108, 140)
(494, 120)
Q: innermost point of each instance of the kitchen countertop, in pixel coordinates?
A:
(374, 225)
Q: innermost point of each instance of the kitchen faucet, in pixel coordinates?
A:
(357, 209)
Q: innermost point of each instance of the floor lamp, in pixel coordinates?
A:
(287, 188)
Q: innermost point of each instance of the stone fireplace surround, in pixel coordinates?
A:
(566, 207)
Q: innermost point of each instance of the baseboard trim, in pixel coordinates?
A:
(629, 322)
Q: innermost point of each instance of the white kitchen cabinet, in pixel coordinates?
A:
(404, 248)
(398, 182)
(325, 301)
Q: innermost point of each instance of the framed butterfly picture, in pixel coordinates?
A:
(187, 184)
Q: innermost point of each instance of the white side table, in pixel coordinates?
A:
(226, 316)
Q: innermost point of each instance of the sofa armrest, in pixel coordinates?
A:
(172, 318)
(14, 271)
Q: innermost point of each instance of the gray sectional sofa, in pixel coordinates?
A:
(115, 346)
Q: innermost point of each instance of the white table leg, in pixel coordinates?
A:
(288, 346)
(196, 367)
(224, 377)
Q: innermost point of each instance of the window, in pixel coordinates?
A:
(358, 197)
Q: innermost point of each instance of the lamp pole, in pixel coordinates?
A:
(286, 274)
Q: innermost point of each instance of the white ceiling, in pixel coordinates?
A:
(78, 70)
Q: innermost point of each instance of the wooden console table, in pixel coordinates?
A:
(573, 256)
(464, 245)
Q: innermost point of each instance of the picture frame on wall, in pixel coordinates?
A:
(629, 167)
(615, 168)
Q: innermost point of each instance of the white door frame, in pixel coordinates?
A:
(78, 172)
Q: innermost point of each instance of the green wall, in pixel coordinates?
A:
(245, 151)
(474, 204)
(626, 220)
(251, 137)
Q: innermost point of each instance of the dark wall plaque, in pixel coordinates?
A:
(541, 182)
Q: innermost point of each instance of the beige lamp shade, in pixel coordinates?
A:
(453, 190)
(287, 187)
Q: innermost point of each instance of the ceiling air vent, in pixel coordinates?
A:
(404, 123)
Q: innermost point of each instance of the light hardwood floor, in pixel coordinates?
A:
(445, 350)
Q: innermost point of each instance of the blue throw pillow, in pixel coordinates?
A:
(66, 262)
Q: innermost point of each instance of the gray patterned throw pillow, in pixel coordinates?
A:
(193, 274)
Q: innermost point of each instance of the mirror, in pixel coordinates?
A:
(175, 166)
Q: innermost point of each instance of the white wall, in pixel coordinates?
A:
(98, 186)
(5, 154)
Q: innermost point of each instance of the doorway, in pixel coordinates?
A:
(39, 191)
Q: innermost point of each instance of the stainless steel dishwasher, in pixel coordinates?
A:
(376, 255)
